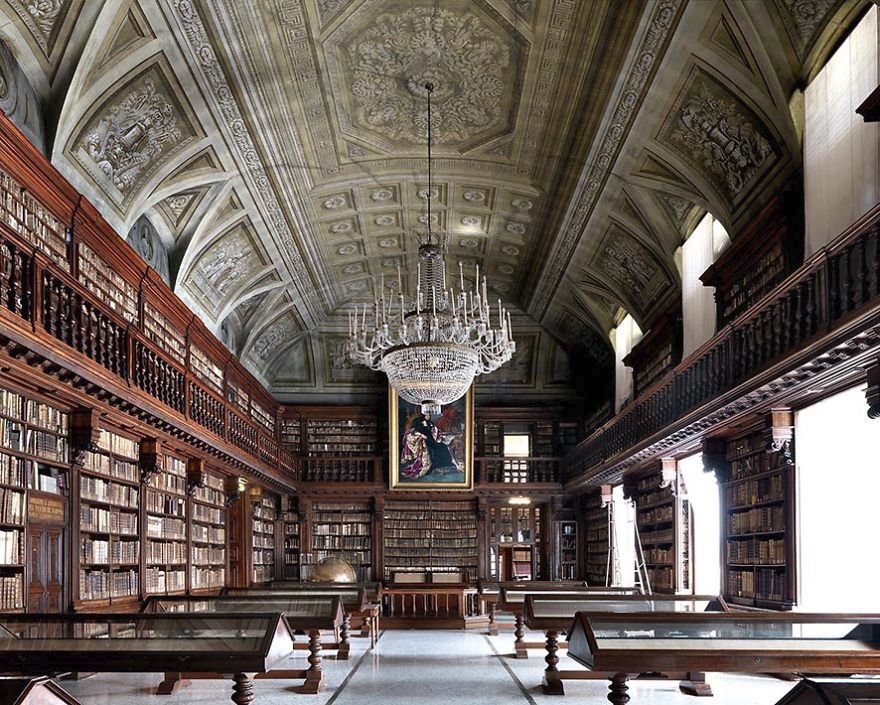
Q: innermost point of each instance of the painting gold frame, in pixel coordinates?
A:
(465, 455)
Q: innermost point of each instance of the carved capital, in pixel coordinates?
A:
(195, 475)
(872, 392)
(781, 434)
(149, 460)
(85, 434)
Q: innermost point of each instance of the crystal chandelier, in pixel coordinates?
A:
(433, 345)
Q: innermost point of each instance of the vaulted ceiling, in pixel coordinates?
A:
(268, 156)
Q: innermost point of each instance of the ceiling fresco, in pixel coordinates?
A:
(269, 156)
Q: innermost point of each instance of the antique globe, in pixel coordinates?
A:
(333, 569)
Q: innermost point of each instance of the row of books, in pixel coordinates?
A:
(12, 470)
(657, 495)
(10, 546)
(98, 490)
(14, 435)
(659, 555)
(165, 503)
(264, 527)
(345, 542)
(763, 489)
(765, 583)
(119, 445)
(167, 482)
(353, 557)
(165, 527)
(105, 283)
(95, 551)
(201, 577)
(264, 557)
(757, 552)
(264, 573)
(210, 495)
(337, 529)
(161, 580)
(770, 518)
(661, 578)
(111, 467)
(12, 592)
(107, 521)
(427, 541)
(12, 505)
(207, 514)
(752, 465)
(448, 534)
(100, 584)
(420, 553)
(165, 552)
(207, 534)
(456, 524)
(430, 507)
(655, 537)
(263, 541)
(656, 515)
(202, 555)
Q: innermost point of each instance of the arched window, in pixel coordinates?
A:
(841, 151)
(708, 240)
(623, 338)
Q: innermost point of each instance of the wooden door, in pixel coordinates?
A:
(45, 551)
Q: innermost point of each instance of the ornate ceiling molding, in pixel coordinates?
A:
(646, 58)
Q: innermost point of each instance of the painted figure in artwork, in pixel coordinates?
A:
(425, 449)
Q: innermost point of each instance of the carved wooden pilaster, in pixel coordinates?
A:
(781, 433)
(149, 460)
(195, 475)
(85, 433)
(872, 392)
(714, 452)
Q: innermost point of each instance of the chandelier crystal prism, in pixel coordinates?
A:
(432, 345)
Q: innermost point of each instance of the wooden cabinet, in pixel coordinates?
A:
(758, 518)
(596, 538)
(663, 525)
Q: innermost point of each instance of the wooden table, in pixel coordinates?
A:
(513, 599)
(727, 642)
(553, 614)
(427, 606)
(243, 645)
(355, 600)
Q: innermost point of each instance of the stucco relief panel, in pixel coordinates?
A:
(627, 263)
(134, 132)
(719, 136)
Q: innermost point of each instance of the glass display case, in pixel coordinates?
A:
(353, 597)
(302, 612)
(553, 614)
(733, 642)
(240, 644)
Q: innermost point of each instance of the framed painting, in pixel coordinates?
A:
(431, 453)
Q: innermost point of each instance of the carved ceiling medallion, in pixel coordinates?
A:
(471, 60)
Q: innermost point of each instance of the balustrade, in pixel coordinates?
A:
(833, 285)
(242, 434)
(15, 279)
(517, 470)
(340, 469)
(206, 410)
(158, 377)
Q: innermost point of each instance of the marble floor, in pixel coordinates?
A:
(430, 668)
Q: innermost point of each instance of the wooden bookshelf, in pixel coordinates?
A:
(291, 435)
(165, 528)
(491, 439)
(342, 529)
(263, 538)
(109, 526)
(428, 537)
(596, 539)
(207, 529)
(291, 535)
(341, 438)
(663, 522)
(657, 353)
(757, 499)
(567, 564)
(514, 532)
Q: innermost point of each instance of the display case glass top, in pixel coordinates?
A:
(353, 597)
(556, 607)
(40, 643)
(729, 641)
(516, 594)
(301, 611)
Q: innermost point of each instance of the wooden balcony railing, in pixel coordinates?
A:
(44, 223)
(517, 471)
(830, 289)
